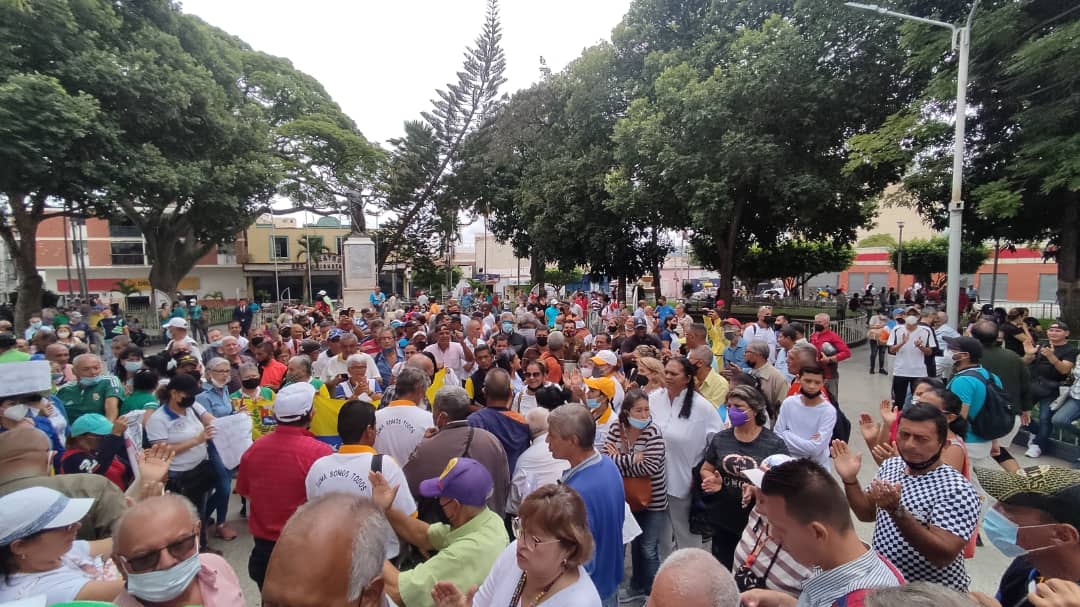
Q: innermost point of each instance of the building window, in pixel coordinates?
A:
(279, 247)
(1048, 287)
(128, 254)
(985, 286)
(122, 227)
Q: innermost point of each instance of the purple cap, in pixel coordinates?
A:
(465, 480)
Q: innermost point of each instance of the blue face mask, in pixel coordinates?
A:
(164, 585)
(508, 327)
(215, 344)
(592, 403)
(1002, 533)
(640, 424)
(86, 382)
(132, 366)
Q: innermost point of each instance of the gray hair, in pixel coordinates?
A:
(506, 316)
(410, 381)
(89, 355)
(122, 340)
(303, 361)
(226, 338)
(538, 421)
(704, 354)
(917, 594)
(698, 578)
(356, 359)
(217, 361)
(573, 420)
(556, 340)
(245, 367)
(805, 349)
(759, 347)
(453, 401)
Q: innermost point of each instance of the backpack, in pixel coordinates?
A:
(997, 415)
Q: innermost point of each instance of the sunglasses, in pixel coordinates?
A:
(180, 550)
(537, 374)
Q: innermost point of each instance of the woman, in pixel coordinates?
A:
(216, 399)
(509, 361)
(66, 337)
(637, 448)
(688, 422)
(96, 446)
(255, 398)
(187, 427)
(652, 371)
(129, 361)
(598, 399)
(544, 565)
(535, 372)
(358, 382)
(742, 447)
(40, 556)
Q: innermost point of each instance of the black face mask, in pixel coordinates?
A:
(542, 340)
(777, 327)
(920, 466)
(250, 384)
(188, 401)
(612, 329)
(810, 395)
(819, 327)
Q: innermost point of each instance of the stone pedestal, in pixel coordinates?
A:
(358, 271)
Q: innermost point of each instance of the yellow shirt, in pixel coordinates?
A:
(714, 388)
(715, 330)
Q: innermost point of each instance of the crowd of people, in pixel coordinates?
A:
(450, 455)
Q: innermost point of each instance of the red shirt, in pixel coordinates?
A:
(554, 368)
(273, 374)
(272, 473)
(843, 352)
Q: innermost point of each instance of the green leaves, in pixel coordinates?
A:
(923, 258)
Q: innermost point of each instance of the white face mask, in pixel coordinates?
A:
(164, 585)
(911, 321)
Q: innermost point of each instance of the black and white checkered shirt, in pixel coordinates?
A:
(942, 498)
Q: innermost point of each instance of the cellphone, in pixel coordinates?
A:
(343, 376)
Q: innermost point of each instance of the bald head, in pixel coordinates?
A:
(419, 361)
(57, 353)
(24, 448)
(692, 577)
(497, 390)
(330, 553)
(153, 523)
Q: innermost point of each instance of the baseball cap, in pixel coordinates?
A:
(1052, 489)
(394, 324)
(335, 334)
(35, 509)
(732, 321)
(293, 401)
(1058, 324)
(91, 423)
(897, 312)
(175, 323)
(308, 346)
(605, 357)
(969, 345)
(465, 480)
(187, 359)
(606, 385)
(754, 475)
(640, 322)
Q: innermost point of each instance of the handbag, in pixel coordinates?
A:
(638, 489)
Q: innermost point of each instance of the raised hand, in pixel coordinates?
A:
(888, 413)
(154, 463)
(382, 493)
(884, 451)
(1055, 593)
(847, 462)
(868, 428)
(446, 594)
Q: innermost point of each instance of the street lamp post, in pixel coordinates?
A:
(962, 42)
(900, 260)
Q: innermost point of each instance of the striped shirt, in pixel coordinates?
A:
(780, 571)
(871, 570)
(650, 444)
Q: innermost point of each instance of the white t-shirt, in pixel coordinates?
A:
(910, 361)
(348, 473)
(164, 425)
(498, 588)
(535, 468)
(59, 585)
(754, 331)
(524, 402)
(335, 366)
(399, 429)
(685, 439)
(798, 423)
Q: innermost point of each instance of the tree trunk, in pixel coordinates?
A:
(659, 261)
(536, 271)
(20, 236)
(1068, 260)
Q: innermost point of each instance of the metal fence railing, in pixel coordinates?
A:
(852, 330)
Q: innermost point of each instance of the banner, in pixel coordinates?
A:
(324, 420)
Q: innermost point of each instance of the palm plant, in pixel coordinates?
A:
(312, 249)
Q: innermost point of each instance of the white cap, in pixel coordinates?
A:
(25, 377)
(321, 293)
(293, 401)
(605, 357)
(35, 509)
(754, 475)
(175, 323)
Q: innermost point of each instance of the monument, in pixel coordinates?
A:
(358, 268)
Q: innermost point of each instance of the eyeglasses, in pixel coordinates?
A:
(537, 374)
(528, 541)
(181, 549)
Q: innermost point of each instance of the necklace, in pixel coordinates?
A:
(539, 597)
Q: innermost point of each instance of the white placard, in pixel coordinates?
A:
(25, 377)
(232, 437)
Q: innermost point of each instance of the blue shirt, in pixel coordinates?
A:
(216, 401)
(377, 299)
(972, 392)
(196, 312)
(550, 314)
(662, 312)
(600, 485)
(736, 355)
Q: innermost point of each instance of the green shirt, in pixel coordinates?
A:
(137, 401)
(61, 319)
(14, 356)
(465, 557)
(109, 502)
(79, 400)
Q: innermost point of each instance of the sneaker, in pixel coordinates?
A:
(872, 371)
(883, 371)
(629, 595)
(1033, 451)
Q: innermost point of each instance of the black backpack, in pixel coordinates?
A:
(997, 415)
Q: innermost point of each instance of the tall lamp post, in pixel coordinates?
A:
(961, 40)
(900, 260)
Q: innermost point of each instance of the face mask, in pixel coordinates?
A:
(819, 327)
(164, 585)
(132, 366)
(592, 403)
(541, 341)
(919, 466)
(187, 401)
(640, 424)
(911, 321)
(36, 324)
(508, 327)
(957, 358)
(57, 378)
(16, 412)
(1002, 533)
(250, 384)
(86, 382)
(810, 395)
(586, 372)
(737, 416)
(215, 344)
(612, 329)
(63, 335)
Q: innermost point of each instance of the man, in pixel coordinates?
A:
(514, 339)
(400, 425)
(924, 510)
(1037, 524)
(273, 471)
(1009, 368)
(448, 351)
(910, 345)
(773, 384)
(640, 337)
(536, 466)
(332, 554)
(711, 384)
(230, 351)
(213, 345)
(377, 299)
(785, 341)
(347, 470)
(830, 355)
(59, 355)
(692, 577)
(26, 461)
(551, 312)
(242, 316)
(497, 418)
(456, 438)
(422, 300)
(9, 351)
(928, 319)
(809, 516)
(1050, 367)
(467, 546)
(336, 368)
(272, 371)
(663, 310)
(735, 351)
(968, 384)
(474, 386)
(553, 356)
(154, 541)
(237, 330)
(109, 326)
(943, 329)
(571, 432)
(714, 328)
(763, 330)
(389, 355)
(92, 392)
(178, 330)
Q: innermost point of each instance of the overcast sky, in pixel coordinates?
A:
(382, 60)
